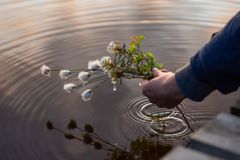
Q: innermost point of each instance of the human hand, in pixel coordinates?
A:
(163, 89)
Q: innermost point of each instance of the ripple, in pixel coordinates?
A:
(172, 125)
(139, 111)
(68, 34)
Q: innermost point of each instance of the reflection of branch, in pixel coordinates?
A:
(140, 148)
(185, 118)
(96, 144)
(95, 135)
(89, 130)
(104, 141)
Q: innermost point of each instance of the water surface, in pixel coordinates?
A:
(66, 34)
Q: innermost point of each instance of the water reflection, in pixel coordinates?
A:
(139, 149)
(67, 34)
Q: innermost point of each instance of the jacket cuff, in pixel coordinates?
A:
(190, 86)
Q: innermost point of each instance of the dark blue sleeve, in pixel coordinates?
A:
(215, 66)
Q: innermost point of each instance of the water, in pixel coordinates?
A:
(66, 34)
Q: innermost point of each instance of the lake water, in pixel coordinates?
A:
(66, 34)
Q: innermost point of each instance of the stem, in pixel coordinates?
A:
(74, 70)
(100, 84)
(96, 79)
(185, 118)
(54, 70)
(62, 132)
(80, 69)
(131, 75)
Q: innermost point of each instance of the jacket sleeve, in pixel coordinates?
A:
(215, 66)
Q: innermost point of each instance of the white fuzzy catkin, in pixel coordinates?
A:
(45, 70)
(87, 95)
(69, 88)
(93, 65)
(84, 76)
(65, 74)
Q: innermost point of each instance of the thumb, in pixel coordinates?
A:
(144, 82)
(156, 72)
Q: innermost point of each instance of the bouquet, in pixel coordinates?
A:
(123, 62)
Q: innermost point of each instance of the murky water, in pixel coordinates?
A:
(67, 34)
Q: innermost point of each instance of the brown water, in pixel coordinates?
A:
(69, 33)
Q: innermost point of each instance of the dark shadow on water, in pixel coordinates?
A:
(139, 149)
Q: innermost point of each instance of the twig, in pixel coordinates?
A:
(185, 118)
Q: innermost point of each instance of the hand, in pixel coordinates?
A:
(163, 89)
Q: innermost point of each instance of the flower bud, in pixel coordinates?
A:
(65, 74)
(93, 65)
(87, 95)
(70, 87)
(84, 76)
(114, 47)
(45, 70)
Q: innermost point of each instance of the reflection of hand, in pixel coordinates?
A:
(163, 89)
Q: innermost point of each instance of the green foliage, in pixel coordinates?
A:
(158, 65)
(151, 59)
(138, 58)
(132, 48)
(132, 63)
(136, 40)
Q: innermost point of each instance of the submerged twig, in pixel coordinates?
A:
(185, 118)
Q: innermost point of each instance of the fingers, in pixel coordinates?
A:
(164, 70)
(144, 87)
(144, 82)
(163, 104)
(156, 72)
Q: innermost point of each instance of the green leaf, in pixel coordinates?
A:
(138, 58)
(158, 65)
(132, 48)
(151, 56)
(140, 38)
(136, 40)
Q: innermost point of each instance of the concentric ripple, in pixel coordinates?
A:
(66, 34)
(172, 124)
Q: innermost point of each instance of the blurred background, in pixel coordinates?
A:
(66, 34)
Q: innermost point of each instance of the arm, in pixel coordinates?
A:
(215, 66)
